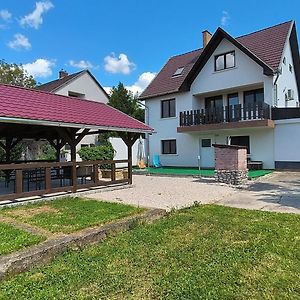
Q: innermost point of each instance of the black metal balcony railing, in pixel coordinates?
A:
(225, 114)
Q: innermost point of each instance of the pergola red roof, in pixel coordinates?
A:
(33, 105)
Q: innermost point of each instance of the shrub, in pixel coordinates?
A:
(102, 152)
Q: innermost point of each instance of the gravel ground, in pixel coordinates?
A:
(279, 191)
(167, 192)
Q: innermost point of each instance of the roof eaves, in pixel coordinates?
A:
(16, 120)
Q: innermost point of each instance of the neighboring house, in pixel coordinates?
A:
(85, 86)
(242, 91)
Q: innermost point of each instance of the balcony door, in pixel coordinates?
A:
(254, 97)
(233, 110)
(214, 102)
(214, 109)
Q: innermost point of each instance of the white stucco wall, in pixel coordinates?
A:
(287, 80)
(246, 75)
(287, 140)
(84, 84)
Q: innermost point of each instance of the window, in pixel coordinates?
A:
(233, 99)
(76, 95)
(284, 61)
(178, 72)
(206, 143)
(254, 97)
(225, 61)
(241, 141)
(67, 147)
(291, 68)
(168, 108)
(168, 147)
(214, 102)
(84, 145)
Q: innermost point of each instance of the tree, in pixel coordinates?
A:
(124, 100)
(16, 75)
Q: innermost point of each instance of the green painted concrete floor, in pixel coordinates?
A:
(194, 171)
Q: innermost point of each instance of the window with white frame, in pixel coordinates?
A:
(225, 61)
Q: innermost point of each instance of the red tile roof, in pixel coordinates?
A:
(266, 44)
(17, 102)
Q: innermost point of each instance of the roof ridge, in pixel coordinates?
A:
(186, 52)
(48, 93)
(263, 29)
(58, 79)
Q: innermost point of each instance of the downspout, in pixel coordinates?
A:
(278, 73)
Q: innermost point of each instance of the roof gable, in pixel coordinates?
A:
(57, 84)
(265, 47)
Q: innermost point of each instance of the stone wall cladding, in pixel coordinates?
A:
(231, 176)
(230, 164)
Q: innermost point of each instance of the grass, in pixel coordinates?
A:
(13, 239)
(202, 172)
(69, 214)
(205, 252)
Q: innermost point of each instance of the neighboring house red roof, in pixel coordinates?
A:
(30, 104)
(266, 45)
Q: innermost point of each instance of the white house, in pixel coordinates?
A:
(242, 91)
(85, 86)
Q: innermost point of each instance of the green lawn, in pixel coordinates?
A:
(13, 239)
(205, 252)
(69, 214)
(195, 171)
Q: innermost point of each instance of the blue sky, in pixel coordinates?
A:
(127, 41)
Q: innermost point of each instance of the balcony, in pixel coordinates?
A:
(229, 117)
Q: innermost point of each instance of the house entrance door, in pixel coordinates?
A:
(207, 153)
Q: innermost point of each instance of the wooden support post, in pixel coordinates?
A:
(19, 182)
(96, 174)
(129, 149)
(48, 179)
(113, 172)
(74, 171)
(129, 139)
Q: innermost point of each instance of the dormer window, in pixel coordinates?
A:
(178, 72)
(225, 61)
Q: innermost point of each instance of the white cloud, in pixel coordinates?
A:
(120, 64)
(225, 18)
(142, 82)
(39, 68)
(35, 19)
(5, 15)
(20, 42)
(139, 86)
(82, 64)
(107, 89)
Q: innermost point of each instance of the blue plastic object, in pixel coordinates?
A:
(156, 161)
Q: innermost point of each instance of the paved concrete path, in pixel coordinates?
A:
(279, 192)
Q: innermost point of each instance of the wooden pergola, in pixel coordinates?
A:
(34, 115)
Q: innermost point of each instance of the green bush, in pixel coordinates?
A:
(102, 152)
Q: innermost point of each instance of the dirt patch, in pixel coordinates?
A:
(31, 212)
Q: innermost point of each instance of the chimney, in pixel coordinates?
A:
(62, 73)
(206, 36)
